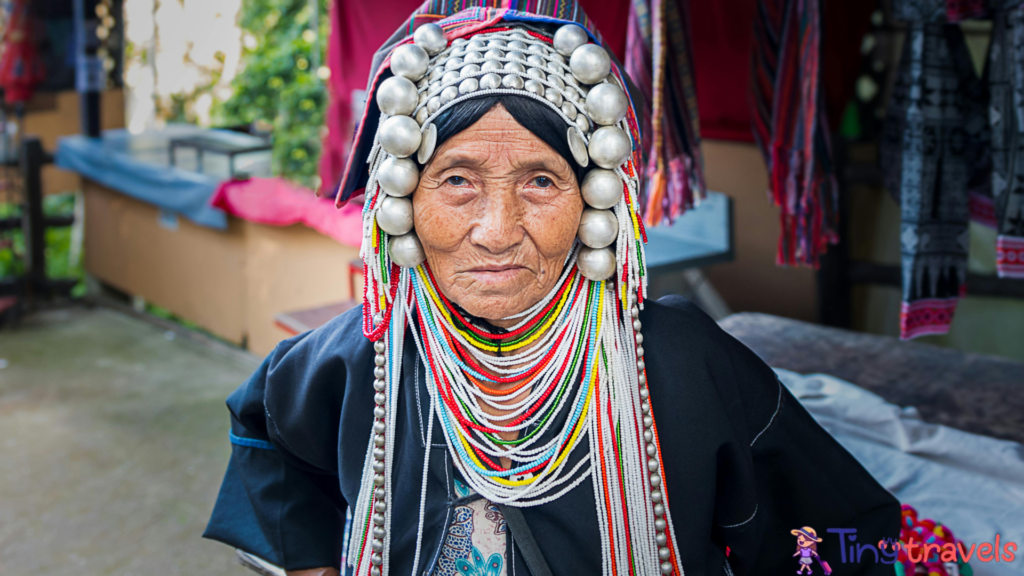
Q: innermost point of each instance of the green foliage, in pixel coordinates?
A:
(58, 244)
(278, 84)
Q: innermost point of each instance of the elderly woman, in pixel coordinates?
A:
(506, 401)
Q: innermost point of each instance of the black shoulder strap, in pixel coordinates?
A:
(523, 537)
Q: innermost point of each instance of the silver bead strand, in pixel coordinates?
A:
(651, 448)
(379, 530)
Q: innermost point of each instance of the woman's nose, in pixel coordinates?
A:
(497, 229)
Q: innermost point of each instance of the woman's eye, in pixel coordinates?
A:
(456, 181)
(542, 182)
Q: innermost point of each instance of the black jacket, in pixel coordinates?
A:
(744, 463)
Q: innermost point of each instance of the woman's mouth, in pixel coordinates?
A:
(495, 274)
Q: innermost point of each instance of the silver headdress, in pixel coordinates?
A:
(569, 74)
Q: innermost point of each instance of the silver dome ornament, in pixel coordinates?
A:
(490, 66)
(534, 87)
(606, 104)
(422, 115)
(459, 42)
(450, 77)
(516, 45)
(431, 38)
(473, 56)
(496, 43)
(601, 188)
(399, 136)
(476, 45)
(453, 64)
(598, 228)
(517, 56)
(537, 73)
(395, 215)
(494, 54)
(398, 176)
(490, 81)
(469, 85)
(590, 63)
(436, 73)
(553, 96)
(433, 104)
(556, 82)
(568, 38)
(609, 147)
(469, 70)
(537, 49)
(427, 145)
(409, 61)
(536, 60)
(397, 96)
(512, 81)
(448, 94)
(577, 147)
(515, 67)
(567, 108)
(596, 264)
(406, 250)
(583, 122)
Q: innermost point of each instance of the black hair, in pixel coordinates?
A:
(535, 116)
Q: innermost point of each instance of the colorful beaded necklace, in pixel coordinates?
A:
(575, 353)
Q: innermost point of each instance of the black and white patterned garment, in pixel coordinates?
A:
(1006, 84)
(953, 149)
(927, 166)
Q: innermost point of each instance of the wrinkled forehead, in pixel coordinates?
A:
(497, 145)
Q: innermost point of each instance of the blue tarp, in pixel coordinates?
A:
(138, 165)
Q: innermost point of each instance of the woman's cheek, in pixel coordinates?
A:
(439, 226)
(553, 226)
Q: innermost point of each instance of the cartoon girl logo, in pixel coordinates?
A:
(807, 549)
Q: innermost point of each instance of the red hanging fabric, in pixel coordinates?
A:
(21, 70)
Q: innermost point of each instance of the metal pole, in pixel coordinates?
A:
(90, 77)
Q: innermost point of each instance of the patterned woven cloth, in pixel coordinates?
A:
(791, 129)
(925, 162)
(1006, 83)
(659, 59)
(951, 151)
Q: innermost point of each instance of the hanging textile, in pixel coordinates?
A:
(934, 150)
(791, 128)
(21, 69)
(1006, 84)
(357, 28)
(659, 58)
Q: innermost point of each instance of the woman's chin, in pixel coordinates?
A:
(495, 300)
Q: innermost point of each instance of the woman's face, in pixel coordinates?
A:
(497, 211)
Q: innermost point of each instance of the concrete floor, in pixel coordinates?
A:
(113, 439)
